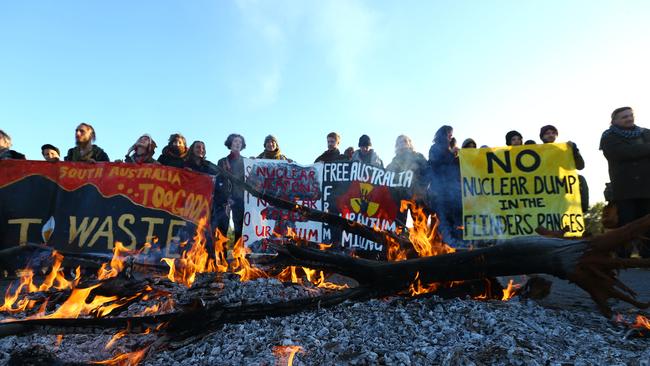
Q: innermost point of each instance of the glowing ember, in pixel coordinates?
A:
(125, 359)
(115, 338)
(286, 353)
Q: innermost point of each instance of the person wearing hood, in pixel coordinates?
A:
(142, 151)
(5, 148)
(230, 196)
(332, 153)
(469, 144)
(626, 147)
(272, 150)
(50, 153)
(444, 188)
(514, 138)
(366, 154)
(85, 150)
(175, 152)
(196, 160)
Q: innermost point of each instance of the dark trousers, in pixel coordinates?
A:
(628, 211)
(222, 218)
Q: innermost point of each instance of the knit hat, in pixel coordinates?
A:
(364, 140)
(510, 135)
(543, 130)
(270, 138)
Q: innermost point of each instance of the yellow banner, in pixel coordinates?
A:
(510, 191)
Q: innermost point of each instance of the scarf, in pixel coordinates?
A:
(625, 133)
(233, 156)
(274, 155)
(171, 152)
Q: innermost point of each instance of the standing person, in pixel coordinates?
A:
(332, 153)
(85, 150)
(444, 188)
(272, 150)
(366, 154)
(5, 148)
(142, 151)
(406, 158)
(548, 134)
(50, 153)
(231, 195)
(196, 160)
(469, 144)
(626, 147)
(514, 138)
(347, 154)
(175, 152)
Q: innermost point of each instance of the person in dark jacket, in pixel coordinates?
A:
(85, 150)
(444, 188)
(272, 150)
(626, 147)
(231, 196)
(50, 153)
(5, 148)
(196, 160)
(514, 138)
(142, 151)
(366, 154)
(175, 152)
(548, 134)
(332, 153)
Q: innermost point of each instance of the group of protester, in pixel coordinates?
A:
(437, 179)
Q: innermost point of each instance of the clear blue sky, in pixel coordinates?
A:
(300, 69)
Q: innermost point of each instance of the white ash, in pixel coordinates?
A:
(415, 332)
(394, 331)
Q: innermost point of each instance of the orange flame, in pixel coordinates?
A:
(241, 266)
(641, 322)
(116, 337)
(510, 291)
(416, 287)
(424, 236)
(195, 260)
(125, 359)
(286, 353)
(117, 263)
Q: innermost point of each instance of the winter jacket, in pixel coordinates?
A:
(96, 153)
(235, 166)
(370, 158)
(330, 156)
(169, 158)
(11, 154)
(273, 155)
(629, 163)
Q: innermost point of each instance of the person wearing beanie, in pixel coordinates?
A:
(85, 149)
(549, 133)
(50, 153)
(332, 153)
(175, 152)
(365, 154)
(626, 147)
(514, 138)
(142, 151)
(229, 197)
(272, 149)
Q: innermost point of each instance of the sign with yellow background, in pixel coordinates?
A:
(510, 191)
